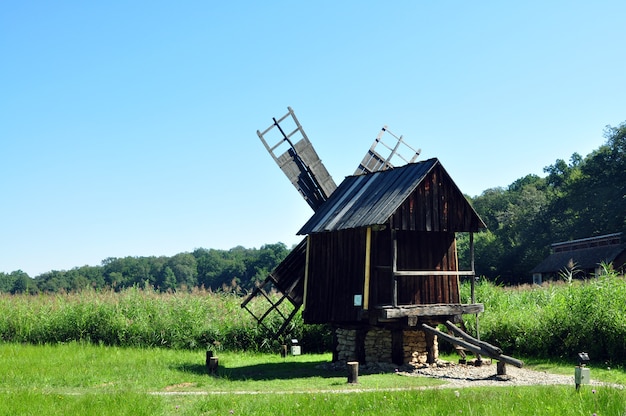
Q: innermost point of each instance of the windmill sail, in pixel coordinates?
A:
(299, 160)
(374, 160)
(296, 157)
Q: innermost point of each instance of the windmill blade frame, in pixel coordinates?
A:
(300, 162)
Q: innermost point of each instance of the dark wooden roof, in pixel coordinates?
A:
(372, 199)
(583, 259)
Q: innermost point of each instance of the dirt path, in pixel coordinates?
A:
(455, 376)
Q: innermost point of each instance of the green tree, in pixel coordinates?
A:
(22, 283)
(517, 234)
(599, 196)
(168, 281)
(6, 282)
(185, 268)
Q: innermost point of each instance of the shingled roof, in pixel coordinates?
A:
(372, 199)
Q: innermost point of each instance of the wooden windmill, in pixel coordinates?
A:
(379, 261)
(291, 149)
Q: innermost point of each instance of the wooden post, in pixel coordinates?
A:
(397, 346)
(473, 276)
(501, 368)
(394, 269)
(473, 289)
(213, 363)
(283, 351)
(368, 255)
(359, 344)
(209, 354)
(430, 347)
(353, 372)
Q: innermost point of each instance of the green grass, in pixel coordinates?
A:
(81, 368)
(85, 379)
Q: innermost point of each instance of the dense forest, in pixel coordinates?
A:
(583, 197)
(237, 269)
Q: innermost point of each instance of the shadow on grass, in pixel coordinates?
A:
(266, 371)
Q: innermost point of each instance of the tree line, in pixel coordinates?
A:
(237, 269)
(583, 197)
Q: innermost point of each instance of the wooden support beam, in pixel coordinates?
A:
(431, 310)
(474, 348)
(430, 347)
(404, 273)
(394, 267)
(482, 344)
(368, 255)
(306, 270)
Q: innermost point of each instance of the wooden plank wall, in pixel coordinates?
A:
(436, 205)
(427, 251)
(336, 274)
(416, 251)
(380, 280)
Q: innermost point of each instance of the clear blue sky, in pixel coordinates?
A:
(128, 128)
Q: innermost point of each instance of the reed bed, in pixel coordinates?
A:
(556, 320)
(135, 317)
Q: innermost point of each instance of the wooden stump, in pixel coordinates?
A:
(213, 364)
(501, 368)
(353, 372)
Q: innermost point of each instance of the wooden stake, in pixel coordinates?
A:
(213, 363)
(353, 372)
(501, 368)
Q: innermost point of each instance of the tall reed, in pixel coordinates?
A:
(145, 318)
(556, 319)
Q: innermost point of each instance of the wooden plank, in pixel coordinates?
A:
(368, 254)
(484, 345)
(434, 273)
(471, 347)
(431, 310)
(435, 201)
(394, 268)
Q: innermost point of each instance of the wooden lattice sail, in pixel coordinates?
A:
(375, 160)
(299, 161)
(289, 146)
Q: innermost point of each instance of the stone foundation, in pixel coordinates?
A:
(375, 345)
(415, 347)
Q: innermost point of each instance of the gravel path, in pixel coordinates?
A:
(460, 375)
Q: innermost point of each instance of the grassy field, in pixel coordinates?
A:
(140, 352)
(101, 380)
